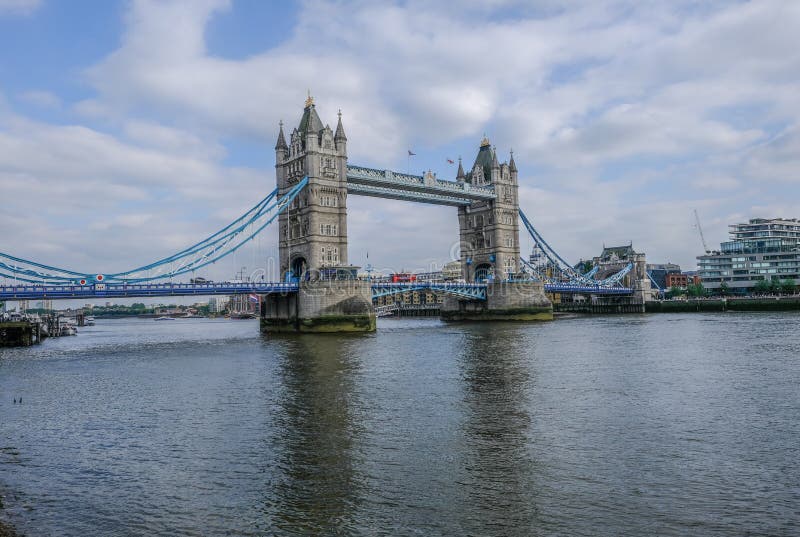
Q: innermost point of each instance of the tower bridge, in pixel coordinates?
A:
(319, 290)
(313, 231)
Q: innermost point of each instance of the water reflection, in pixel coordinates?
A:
(497, 465)
(316, 488)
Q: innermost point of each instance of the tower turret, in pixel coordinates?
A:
(340, 129)
(280, 146)
(340, 139)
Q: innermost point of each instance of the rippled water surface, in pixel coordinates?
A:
(630, 425)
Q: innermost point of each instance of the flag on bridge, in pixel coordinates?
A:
(410, 153)
(253, 298)
(451, 161)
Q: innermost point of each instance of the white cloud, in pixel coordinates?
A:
(92, 201)
(776, 160)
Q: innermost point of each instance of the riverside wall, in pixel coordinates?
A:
(788, 303)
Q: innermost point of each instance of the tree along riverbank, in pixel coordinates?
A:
(785, 303)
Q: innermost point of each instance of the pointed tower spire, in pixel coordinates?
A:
(340, 136)
(281, 143)
(495, 163)
(512, 165)
(460, 176)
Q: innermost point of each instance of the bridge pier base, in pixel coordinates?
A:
(505, 301)
(327, 306)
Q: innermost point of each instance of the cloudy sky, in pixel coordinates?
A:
(130, 129)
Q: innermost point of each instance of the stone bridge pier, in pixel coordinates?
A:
(505, 301)
(322, 306)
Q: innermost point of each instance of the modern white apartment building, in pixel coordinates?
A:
(762, 249)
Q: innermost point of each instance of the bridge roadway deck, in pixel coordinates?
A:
(121, 290)
(577, 289)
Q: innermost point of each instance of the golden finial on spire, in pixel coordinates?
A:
(310, 99)
(485, 141)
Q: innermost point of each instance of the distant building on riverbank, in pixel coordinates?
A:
(658, 273)
(218, 304)
(761, 249)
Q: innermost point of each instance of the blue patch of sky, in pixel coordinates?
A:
(49, 49)
(571, 72)
(533, 175)
(251, 153)
(748, 116)
(514, 12)
(250, 27)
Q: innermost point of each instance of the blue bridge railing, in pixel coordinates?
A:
(475, 291)
(465, 290)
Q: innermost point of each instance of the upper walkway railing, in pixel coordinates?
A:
(427, 189)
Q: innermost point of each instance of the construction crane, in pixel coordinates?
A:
(700, 229)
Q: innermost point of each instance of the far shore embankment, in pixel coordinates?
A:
(776, 303)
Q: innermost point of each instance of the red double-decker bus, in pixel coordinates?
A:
(403, 277)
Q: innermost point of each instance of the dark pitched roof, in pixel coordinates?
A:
(340, 130)
(460, 175)
(310, 121)
(622, 252)
(281, 143)
(484, 160)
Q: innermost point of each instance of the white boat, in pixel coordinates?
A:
(164, 318)
(68, 330)
(89, 320)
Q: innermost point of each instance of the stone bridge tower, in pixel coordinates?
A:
(489, 230)
(313, 230)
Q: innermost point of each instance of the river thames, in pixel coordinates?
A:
(636, 425)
